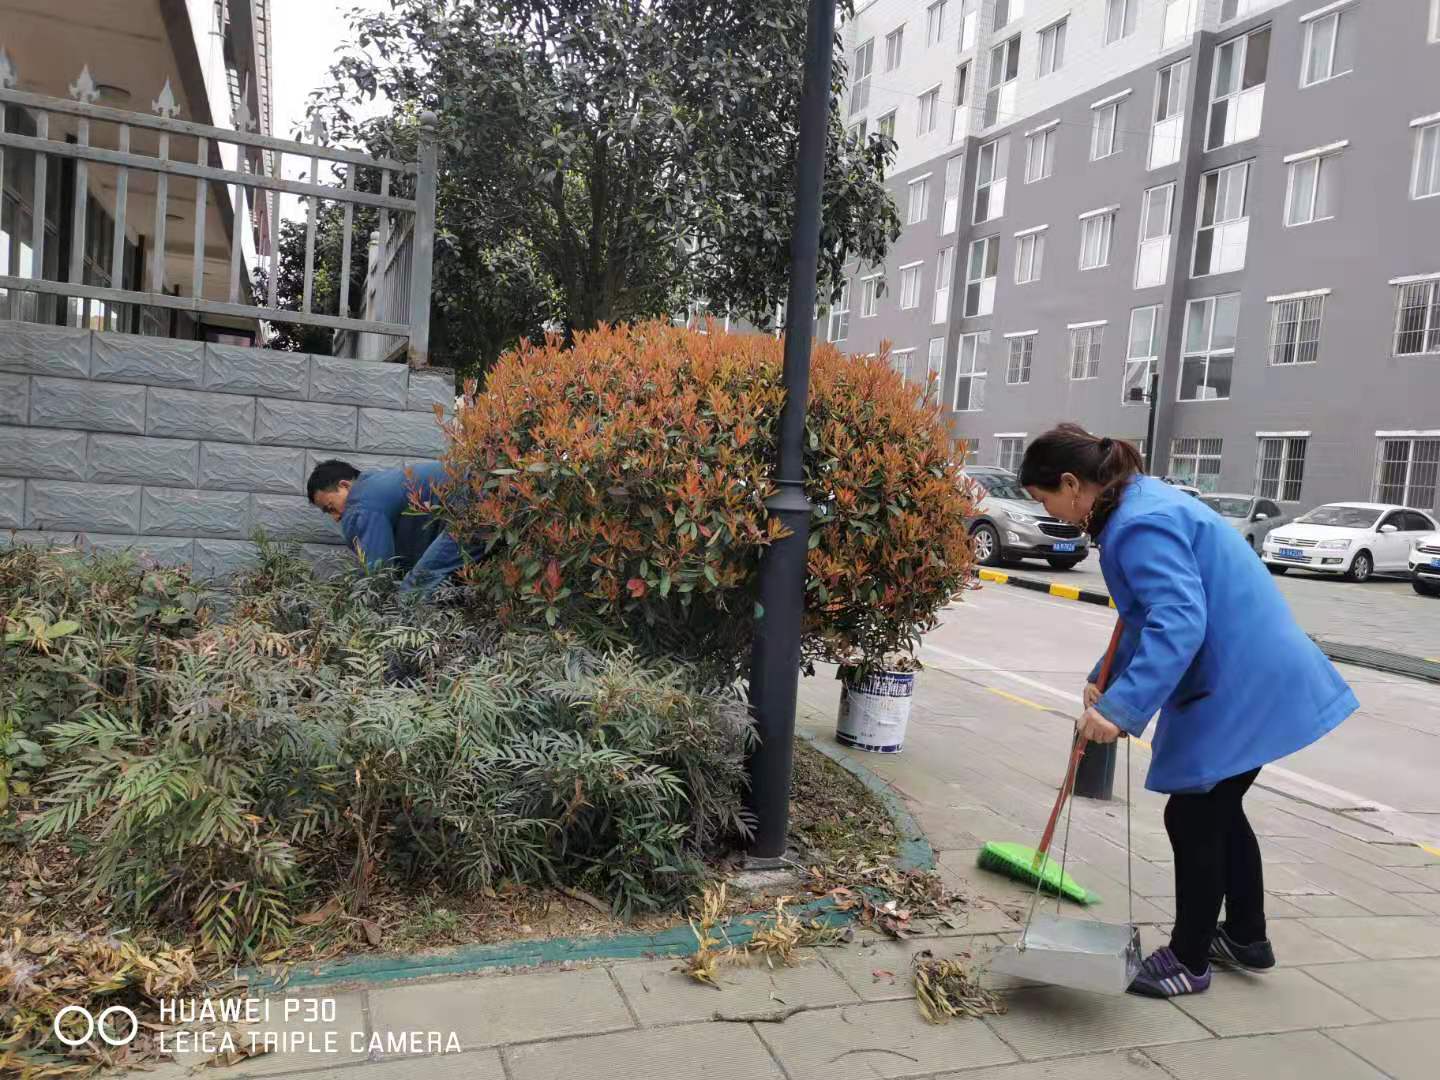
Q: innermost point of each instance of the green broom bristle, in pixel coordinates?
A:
(1019, 862)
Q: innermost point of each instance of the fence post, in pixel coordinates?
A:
(423, 255)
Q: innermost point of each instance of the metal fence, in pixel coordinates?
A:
(242, 171)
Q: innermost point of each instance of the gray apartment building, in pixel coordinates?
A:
(1229, 206)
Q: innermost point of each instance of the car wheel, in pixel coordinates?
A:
(1361, 568)
(1424, 588)
(1278, 571)
(1063, 564)
(987, 545)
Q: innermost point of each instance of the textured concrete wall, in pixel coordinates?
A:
(182, 450)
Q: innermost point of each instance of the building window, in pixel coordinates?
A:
(929, 111)
(1209, 355)
(960, 121)
(1120, 18)
(1006, 11)
(1052, 48)
(856, 133)
(1230, 10)
(1029, 256)
(1295, 329)
(1157, 215)
(886, 125)
(1004, 72)
(980, 276)
(970, 372)
(870, 297)
(1280, 467)
(1237, 89)
(840, 315)
(1168, 128)
(972, 451)
(901, 361)
(1022, 357)
(1223, 231)
(1417, 326)
(1425, 176)
(935, 364)
(1104, 131)
(1009, 451)
(1040, 154)
(919, 200)
(944, 274)
(1196, 462)
(1407, 471)
(1434, 22)
(969, 17)
(1310, 190)
(1179, 22)
(1142, 355)
(1096, 231)
(1085, 345)
(894, 48)
(910, 286)
(935, 23)
(990, 174)
(954, 177)
(1329, 47)
(860, 77)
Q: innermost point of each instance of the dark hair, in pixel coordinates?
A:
(327, 476)
(1069, 448)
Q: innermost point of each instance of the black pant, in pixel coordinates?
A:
(1216, 858)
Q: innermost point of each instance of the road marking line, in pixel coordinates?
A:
(1016, 698)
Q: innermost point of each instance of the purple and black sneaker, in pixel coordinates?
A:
(1162, 975)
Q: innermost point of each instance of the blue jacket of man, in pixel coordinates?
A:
(380, 525)
(1210, 643)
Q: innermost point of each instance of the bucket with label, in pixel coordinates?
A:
(875, 710)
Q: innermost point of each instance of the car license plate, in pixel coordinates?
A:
(1069, 545)
(1291, 553)
(1435, 564)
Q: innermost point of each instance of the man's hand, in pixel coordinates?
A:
(1092, 695)
(1096, 728)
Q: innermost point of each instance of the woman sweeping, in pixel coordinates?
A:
(1210, 644)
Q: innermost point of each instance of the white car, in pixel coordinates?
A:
(1352, 539)
(1425, 564)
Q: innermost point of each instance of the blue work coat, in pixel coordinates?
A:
(380, 525)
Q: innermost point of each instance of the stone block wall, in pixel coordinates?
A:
(181, 450)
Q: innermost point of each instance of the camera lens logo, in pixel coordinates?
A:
(100, 1025)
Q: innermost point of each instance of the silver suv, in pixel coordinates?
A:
(1007, 524)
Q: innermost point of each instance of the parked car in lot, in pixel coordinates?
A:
(1249, 515)
(1425, 564)
(1352, 539)
(1008, 525)
(1189, 489)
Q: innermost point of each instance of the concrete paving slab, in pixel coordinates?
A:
(1115, 1065)
(491, 1010)
(1054, 1022)
(1284, 1000)
(1328, 906)
(1301, 1055)
(886, 1039)
(1379, 877)
(1282, 907)
(1391, 989)
(1297, 944)
(322, 1043)
(1288, 879)
(1373, 898)
(472, 1065)
(661, 995)
(967, 828)
(1426, 876)
(1384, 938)
(1404, 1050)
(880, 970)
(714, 1051)
(1428, 901)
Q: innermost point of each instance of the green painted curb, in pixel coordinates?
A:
(915, 854)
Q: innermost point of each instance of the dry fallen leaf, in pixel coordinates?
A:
(318, 916)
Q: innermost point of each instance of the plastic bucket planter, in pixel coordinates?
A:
(875, 710)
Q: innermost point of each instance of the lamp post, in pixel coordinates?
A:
(775, 655)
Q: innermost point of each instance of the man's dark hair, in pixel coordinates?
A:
(327, 476)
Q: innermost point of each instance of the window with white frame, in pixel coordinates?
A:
(1295, 328)
(1196, 462)
(902, 360)
(1179, 22)
(1022, 358)
(870, 296)
(1222, 233)
(980, 274)
(1120, 16)
(1004, 76)
(1425, 174)
(1157, 214)
(970, 368)
(1052, 47)
(929, 111)
(1040, 153)
(969, 21)
(960, 119)
(886, 125)
(972, 450)
(1329, 47)
(954, 180)
(1209, 350)
(944, 274)
(1142, 355)
(935, 22)
(1097, 229)
(991, 167)
(1105, 131)
(1407, 470)
(1168, 126)
(1029, 255)
(1310, 188)
(935, 365)
(840, 315)
(894, 48)
(860, 76)
(1417, 323)
(1280, 467)
(1435, 22)
(1085, 345)
(1237, 89)
(910, 286)
(1006, 12)
(857, 132)
(919, 200)
(1009, 451)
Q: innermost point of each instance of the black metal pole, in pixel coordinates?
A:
(1153, 391)
(775, 656)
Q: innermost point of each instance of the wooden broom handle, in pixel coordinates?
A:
(1077, 750)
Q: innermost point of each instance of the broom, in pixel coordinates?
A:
(1034, 865)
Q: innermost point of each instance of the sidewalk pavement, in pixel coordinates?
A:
(1355, 922)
